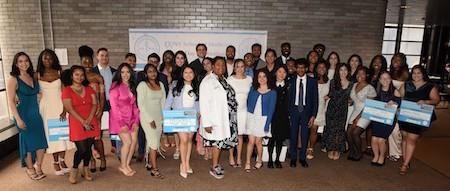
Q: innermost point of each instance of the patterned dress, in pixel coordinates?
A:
(336, 115)
(231, 141)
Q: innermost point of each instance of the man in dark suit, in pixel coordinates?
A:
(201, 50)
(303, 104)
(258, 63)
(285, 53)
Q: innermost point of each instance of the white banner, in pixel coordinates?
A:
(143, 42)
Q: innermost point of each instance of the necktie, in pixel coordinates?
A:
(300, 96)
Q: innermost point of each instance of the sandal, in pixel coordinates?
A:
(63, 166)
(247, 167)
(238, 165)
(404, 169)
(32, 174)
(154, 172)
(58, 170)
(258, 165)
(103, 164)
(39, 172)
(124, 172)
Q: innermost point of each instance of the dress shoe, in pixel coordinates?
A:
(278, 164)
(270, 164)
(293, 163)
(304, 163)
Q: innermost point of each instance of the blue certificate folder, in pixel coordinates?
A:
(379, 111)
(58, 130)
(419, 114)
(179, 121)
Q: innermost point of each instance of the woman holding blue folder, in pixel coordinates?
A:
(386, 92)
(420, 90)
(184, 96)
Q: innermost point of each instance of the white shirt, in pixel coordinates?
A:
(284, 59)
(105, 72)
(230, 68)
(280, 84)
(188, 100)
(297, 92)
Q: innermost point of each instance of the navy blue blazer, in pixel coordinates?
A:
(312, 96)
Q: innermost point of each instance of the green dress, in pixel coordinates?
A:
(32, 138)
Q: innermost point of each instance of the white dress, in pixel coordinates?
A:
(359, 100)
(331, 74)
(50, 107)
(241, 87)
(321, 110)
(257, 121)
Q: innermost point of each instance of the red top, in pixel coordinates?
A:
(83, 106)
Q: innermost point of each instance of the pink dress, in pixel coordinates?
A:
(124, 111)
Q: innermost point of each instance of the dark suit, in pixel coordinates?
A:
(301, 119)
(279, 61)
(197, 65)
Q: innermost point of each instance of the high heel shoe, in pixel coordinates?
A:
(102, 164)
(247, 167)
(258, 165)
(93, 166)
(183, 174)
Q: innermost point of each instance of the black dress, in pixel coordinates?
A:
(414, 94)
(336, 118)
(280, 126)
(382, 130)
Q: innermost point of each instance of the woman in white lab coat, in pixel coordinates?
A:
(218, 110)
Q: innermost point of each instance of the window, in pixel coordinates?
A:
(4, 111)
(410, 42)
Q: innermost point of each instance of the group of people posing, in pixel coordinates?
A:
(279, 98)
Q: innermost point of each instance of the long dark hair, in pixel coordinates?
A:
(118, 77)
(337, 77)
(15, 71)
(66, 75)
(148, 66)
(316, 74)
(329, 56)
(382, 69)
(358, 57)
(176, 70)
(270, 83)
(55, 61)
(163, 63)
(422, 70)
(285, 69)
(176, 91)
(402, 68)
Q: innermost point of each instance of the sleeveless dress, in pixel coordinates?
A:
(50, 107)
(32, 138)
(415, 94)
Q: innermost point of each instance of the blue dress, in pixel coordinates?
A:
(32, 138)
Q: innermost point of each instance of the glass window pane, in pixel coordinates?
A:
(388, 58)
(412, 60)
(4, 112)
(2, 77)
(412, 34)
(390, 34)
(411, 47)
(388, 47)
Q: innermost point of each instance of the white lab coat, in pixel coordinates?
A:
(214, 109)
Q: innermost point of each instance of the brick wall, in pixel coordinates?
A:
(345, 26)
